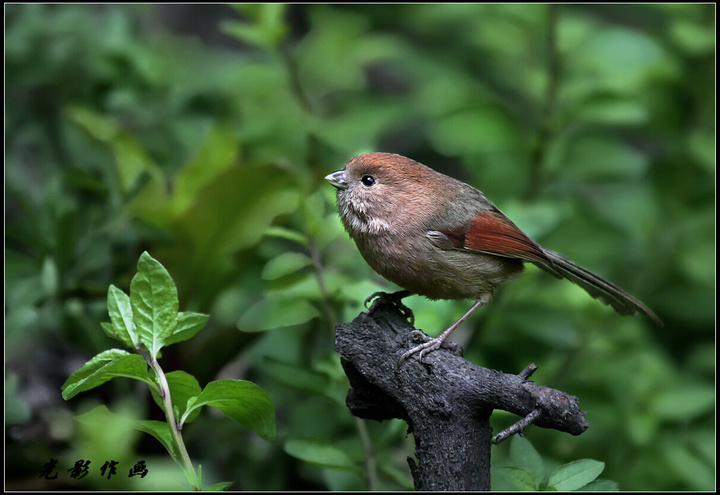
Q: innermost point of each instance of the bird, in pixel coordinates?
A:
(441, 238)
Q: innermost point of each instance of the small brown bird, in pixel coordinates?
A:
(438, 237)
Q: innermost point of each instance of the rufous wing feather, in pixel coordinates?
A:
(491, 232)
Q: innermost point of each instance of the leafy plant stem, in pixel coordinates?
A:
(175, 428)
(547, 124)
(294, 79)
(318, 268)
(370, 462)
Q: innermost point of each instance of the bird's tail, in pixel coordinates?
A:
(601, 289)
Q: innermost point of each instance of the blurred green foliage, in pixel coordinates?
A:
(201, 133)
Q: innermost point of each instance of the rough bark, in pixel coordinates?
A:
(445, 399)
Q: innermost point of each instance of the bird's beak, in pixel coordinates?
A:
(337, 179)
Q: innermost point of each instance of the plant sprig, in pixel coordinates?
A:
(146, 321)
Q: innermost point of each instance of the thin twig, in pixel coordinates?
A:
(528, 371)
(518, 427)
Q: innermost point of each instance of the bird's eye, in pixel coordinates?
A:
(368, 180)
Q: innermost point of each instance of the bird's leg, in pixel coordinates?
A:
(435, 343)
(395, 298)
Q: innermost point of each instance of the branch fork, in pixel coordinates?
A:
(446, 400)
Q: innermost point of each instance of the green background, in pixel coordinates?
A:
(202, 133)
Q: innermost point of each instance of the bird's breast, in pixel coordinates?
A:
(416, 264)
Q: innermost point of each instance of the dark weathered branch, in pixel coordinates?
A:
(446, 400)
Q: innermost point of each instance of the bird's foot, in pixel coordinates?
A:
(380, 298)
(430, 344)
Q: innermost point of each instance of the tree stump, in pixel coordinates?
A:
(445, 399)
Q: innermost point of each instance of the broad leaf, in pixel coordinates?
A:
(275, 312)
(526, 457)
(154, 302)
(161, 431)
(121, 316)
(243, 401)
(520, 478)
(103, 367)
(219, 487)
(601, 486)
(575, 475)
(320, 453)
(183, 386)
(188, 324)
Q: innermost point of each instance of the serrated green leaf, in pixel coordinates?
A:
(188, 325)
(575, 475)
(121, 316)
(103, 367)
(242, 401)
(183, 386)
(154, 300)
(320, 453)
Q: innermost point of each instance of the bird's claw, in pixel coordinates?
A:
(430, 344)
(379, 298)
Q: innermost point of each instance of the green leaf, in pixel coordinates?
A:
(188, 324)
(519, 478)
(268, 28)
(161, 431)
(103, 367)
(601, 486)
(242, 401)
(154, 303)
(275, 312)
(218, 153)
(320, 453)
(575, 475)
(481, 129)
(219, 487)
(109, 330)
(232, 211)
(287, 234)
(300, 378)
(526, 457)
(121, 316)
(597, 157)
(183, 386)
(285, 264)
(685, 403)
(49, 278)
(16, 410)
(110, 433)
(132, 160)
